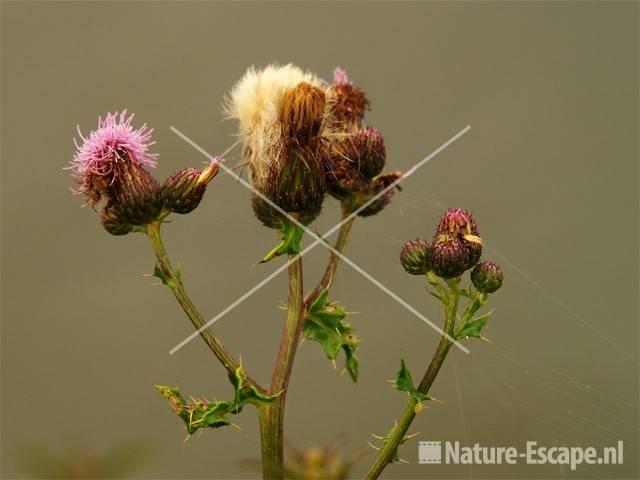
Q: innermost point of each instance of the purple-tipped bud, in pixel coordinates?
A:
(459, 224)
(379, 184)
(184, 189)
(487, 277)
(349, 102)
(415, 256)
(449, 258)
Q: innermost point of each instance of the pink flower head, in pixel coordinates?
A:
(340, 77)
(115, 140)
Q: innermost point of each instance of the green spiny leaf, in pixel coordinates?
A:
(404, 383)
(395, 457)
(290, 240)
(474, 327)
(197, 415)
(245, 393)
(203, 414)
(324, 323)
(164, 278)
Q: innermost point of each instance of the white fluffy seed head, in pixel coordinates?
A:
(255, 101)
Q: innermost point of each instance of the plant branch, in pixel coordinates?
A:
(172, 280)
(334, 260)
(272, 414)
(397, 435)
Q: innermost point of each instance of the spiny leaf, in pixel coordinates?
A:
(290, 241)
(435, 294)
(395, 457)
(199, 414)
(324, 323)
(158, 272)
(474, 327)
(245, 393)
(467, 293)
(404, 383)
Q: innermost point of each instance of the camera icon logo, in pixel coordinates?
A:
(429, 452)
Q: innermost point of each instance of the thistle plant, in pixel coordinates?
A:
(303, 139)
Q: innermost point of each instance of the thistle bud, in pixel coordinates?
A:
(371, 152)
(184, 189)
(487, 277)
(136, 195)
(379, 184)
(349, 102)
(296, 186)
(449, 258)
(415, 256)
(459, 224)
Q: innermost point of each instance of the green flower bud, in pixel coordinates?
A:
(184, 189)
(449, 258)
(415, 256)
(487, 277)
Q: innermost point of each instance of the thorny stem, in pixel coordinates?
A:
(334, 260)
(272, 413)
(174, 283)
(398, 434)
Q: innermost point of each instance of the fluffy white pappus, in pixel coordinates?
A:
(255, 101)
(256, 98)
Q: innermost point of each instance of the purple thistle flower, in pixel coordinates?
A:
(114, 141)
(340, 77)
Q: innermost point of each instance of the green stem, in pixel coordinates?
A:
(272, 413)
(175, 284)
(388, 450)
(334, 260)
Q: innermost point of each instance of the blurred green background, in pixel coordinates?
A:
(550, 170)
